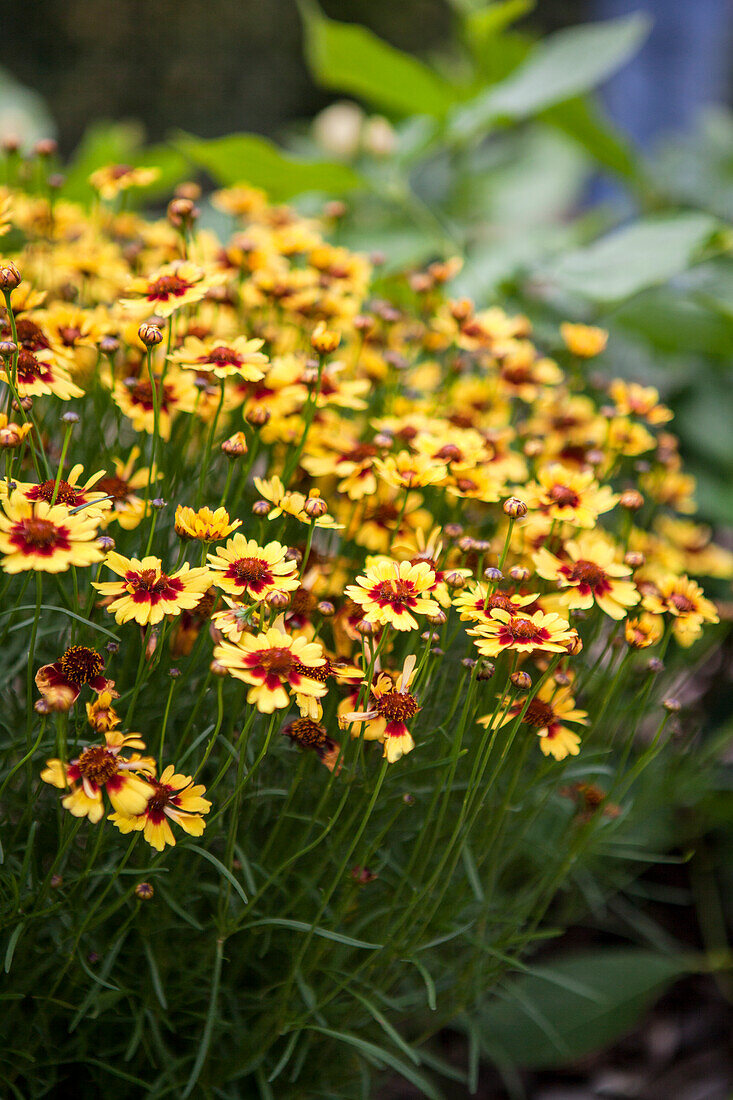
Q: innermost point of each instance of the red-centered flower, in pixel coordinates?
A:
(147, 594)
(60, 683)
(173, 797)
(100, 768)
(391, 591)
(523, 634)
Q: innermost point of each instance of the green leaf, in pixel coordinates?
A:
(481, 26)
(582, 121)
(561, 66)
(240, 158)
(643, 254)
(303, 926)
(379, 1056)
(542, 1023)
(349, 58)
(675, 323)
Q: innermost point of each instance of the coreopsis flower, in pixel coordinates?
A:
(390, 706)
(39, 375)
(690, 547)
(68, 492)
(386, 516)
(170, 288)
(235, 619)
(35, 535)
(204, 525)
(631, 399)
(245, 569)
(409, 471)
(391, 591)
(111, 180)
(643, 631)
(352, 464)
(60, 683)
(307, 733)
(274, 664)
(474, 603)
(173, 797)
(175, 394)
(238, 358)
(74, 333)
(684, 600)
(145, 593)
(519, 633)
(524, 373)
(585, 341)
(548, 711)
(101, 715)
(570, 496)
(100, 768)
(589, 573)
(127, 508)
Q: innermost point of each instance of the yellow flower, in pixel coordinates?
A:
(146, 594)
(549, 708)
(39, 374)
(128, 509)
(644, 631)
(204, 525)
(390, 706)
(571, 496)
(244, 568)
(173, 797)
(238, 358)
(684, 600)
(409, 471)
(98, 768)
(631, 399)
(585, 341)
(170, 288)
(289, 503)
(589, 573)
(68, 492)
(273, 663)
(523, 633)
(391, 591)
(109, 181)
(34, 535)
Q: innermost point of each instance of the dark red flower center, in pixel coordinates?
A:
(79, 664)
(114, 487)
(97, 764)
(40, 534)
(278, 661)
(66, 493)
(167, 286)
(399, 593)
(251, 572)
(221, 356)
(564, 497)
(306, 732)
(588, 573)
(538, 714)
(397, 706)
(682, 603)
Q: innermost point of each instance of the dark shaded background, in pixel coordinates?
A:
(206, 66)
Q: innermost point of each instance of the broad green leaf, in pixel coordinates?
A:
(643, 254)
(486, 23)
(582, 121)
(675, 323)
(248, 158)
(349, 58)
(560, 67)
(545, 1021)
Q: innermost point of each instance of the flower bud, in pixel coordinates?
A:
(324, 340)
(106, 543)
(46, 147)
(257, 416)
(521, 680)
(144, 891)
(25, 403)
(335, 209)
(261, 508)
(655, 666)
(469, 662)
(514, 508)
(315, 507)
(149, 334)
(634, 558)
(438, 619)
(493, 575)
(366, 628)
(674, 706)
(70, 418)
(11, 436)
(174, 673)
(10, 277)
(109, 345)
(519, 573)
(277, 600)
(453, 530)
(216, 668)
(574, 646)
(56, 882)
(235, 446)
(182, 213)
(293, 554)
(188, 189)
(632, 500)
(455, 580)
(486, 671)
(326, 608)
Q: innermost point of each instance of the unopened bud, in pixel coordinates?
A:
(655, 666)
(315, 507)
(150, 335)
(326, 608)
(366, 628)
(70, 418)
(455, 580)
(144, 891)
(453, 530)
(324, 340)
(109, 345)
(261, 508)
(106, 543)
(56, 881)
(10, 277)
(8, 348)
(294, 554)
(174, 673)
(216, 668)
(182, 213)
(634, 559)
(486, 671)
(519, 573)
(278, 600)
(46, 147)
(469, 662)
(632, 500)
(257, 416)
(674, 706)
(514, 508)
(521, 680)
(493, 575)
(439, 618)
(235, 446)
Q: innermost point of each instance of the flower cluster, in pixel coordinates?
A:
(392, 485)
